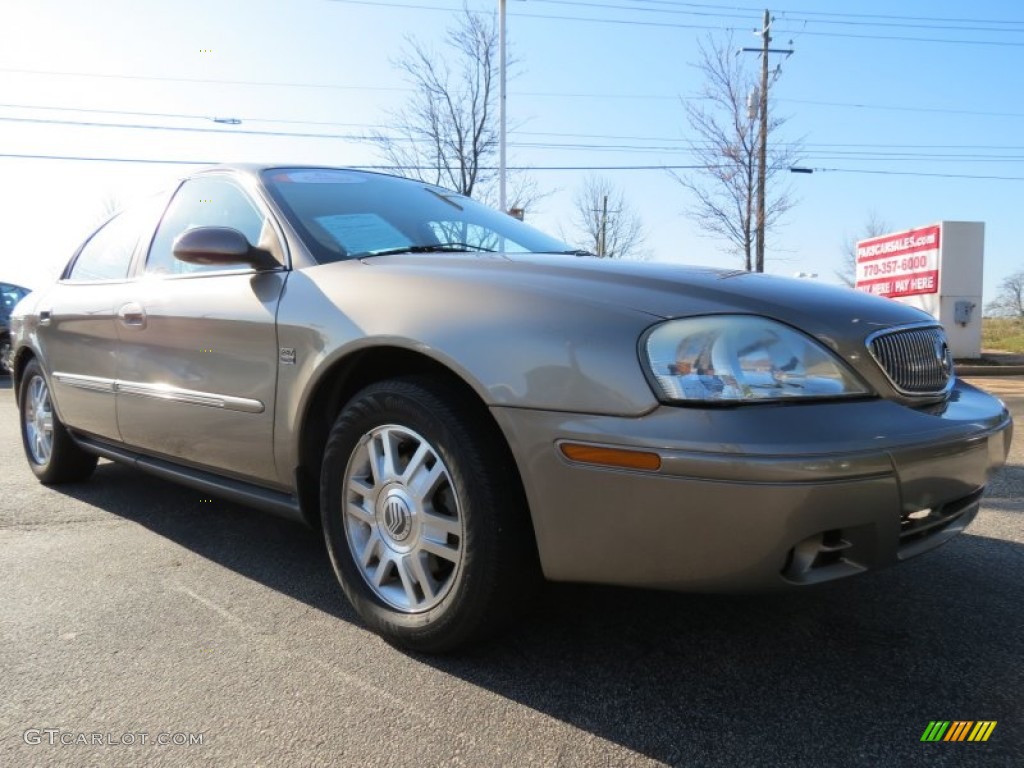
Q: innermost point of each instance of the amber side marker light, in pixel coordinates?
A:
(611, 457)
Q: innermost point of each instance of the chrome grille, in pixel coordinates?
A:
(916, 360)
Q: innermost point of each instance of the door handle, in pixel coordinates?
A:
(44, 317)
(132, 315)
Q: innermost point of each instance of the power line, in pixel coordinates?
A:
(107, 159)
(546, 94)
(714, 12)
(673, 25)
(834, 14)
(904, 39)
(629, 137)
(378, 167)
(548, 17)
(338, 86)
(552, 94)
(626, 137)
(184, 116)
(186, 128)
(895, 108)
(372, 167)
(204, 80)
(871, 153)
(918, 173)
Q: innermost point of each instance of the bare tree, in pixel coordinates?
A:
(605, 223)
(523, 193)
(726, 139)
(1010, 301)
(447, 133)
(874, 226)
(109, 204)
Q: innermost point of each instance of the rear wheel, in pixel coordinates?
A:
(52, 455)
(423, 516)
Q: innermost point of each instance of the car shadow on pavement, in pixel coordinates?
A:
(281, 554)
(1004, 491)
(846, 673)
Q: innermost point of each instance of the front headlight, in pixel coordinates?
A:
(742, 358)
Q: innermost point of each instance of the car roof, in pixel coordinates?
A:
(255, 169)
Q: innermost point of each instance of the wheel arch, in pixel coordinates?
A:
(24, 356)
(357, 370)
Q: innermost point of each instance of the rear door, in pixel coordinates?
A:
(198, 356)
(77, 335)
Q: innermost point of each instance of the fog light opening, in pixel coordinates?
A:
(820, 557)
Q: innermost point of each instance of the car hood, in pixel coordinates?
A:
(556, 332)
(831, 313)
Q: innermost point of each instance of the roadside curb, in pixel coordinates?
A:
(990, 370)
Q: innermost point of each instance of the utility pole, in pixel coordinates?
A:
(600, 231)
(753, 105)
(502, 118)
(602, 237)
(762, 149)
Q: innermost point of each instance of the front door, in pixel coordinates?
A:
(198, 355)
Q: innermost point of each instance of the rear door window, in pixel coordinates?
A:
(108, 253)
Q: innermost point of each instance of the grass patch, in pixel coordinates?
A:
(1005, 334)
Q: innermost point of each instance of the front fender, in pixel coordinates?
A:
(515, 346)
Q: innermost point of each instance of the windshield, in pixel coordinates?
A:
(344, 214)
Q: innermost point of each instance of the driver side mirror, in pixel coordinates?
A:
(221, 247)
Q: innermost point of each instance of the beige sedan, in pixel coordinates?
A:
(466, 406)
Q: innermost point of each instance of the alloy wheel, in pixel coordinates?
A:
(402, 519)
(39, 421)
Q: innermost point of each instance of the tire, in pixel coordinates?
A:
(53, 455)
(433, 546)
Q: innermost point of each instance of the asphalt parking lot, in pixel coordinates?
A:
(135, 611)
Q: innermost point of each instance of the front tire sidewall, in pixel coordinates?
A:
(460, 612)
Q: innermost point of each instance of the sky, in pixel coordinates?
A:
(908, 110)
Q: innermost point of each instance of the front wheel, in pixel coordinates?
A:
(424, 517)
(53, 455)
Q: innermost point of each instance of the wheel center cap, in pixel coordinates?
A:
(395, 515)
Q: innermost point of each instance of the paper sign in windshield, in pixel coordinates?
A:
(363, 233)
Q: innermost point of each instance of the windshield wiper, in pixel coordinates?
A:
(576, 252)
(429, 248)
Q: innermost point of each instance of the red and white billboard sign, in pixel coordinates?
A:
(901, 264)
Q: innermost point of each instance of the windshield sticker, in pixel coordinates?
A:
(321, 177)
(363, 232)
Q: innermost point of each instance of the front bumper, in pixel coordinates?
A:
(756, 497)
